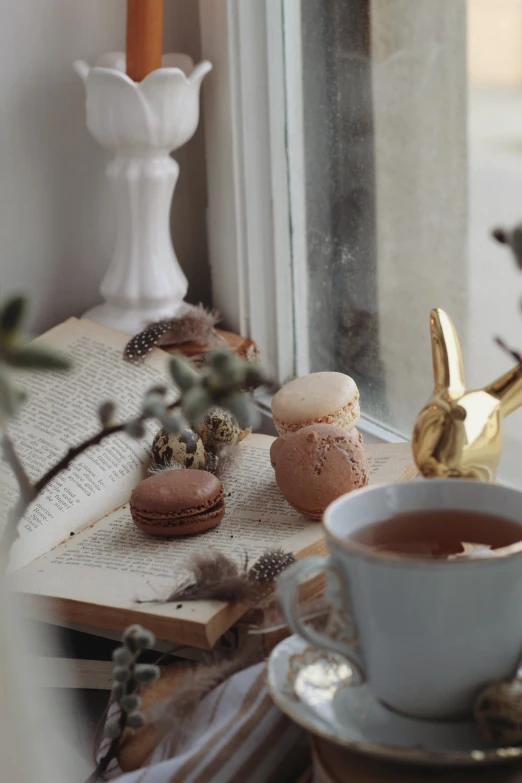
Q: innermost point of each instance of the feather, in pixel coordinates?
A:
(154, 468)
(174, 713)
(171, 703)
(141, 344)
(270, 565)
(195, 324)
(213, 577)
(224, 460)
(216, 577)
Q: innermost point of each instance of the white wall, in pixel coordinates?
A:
(56, 213)
(495, 43)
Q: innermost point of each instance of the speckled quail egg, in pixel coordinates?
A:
(498, 712)
(220, 428)
(184, 449)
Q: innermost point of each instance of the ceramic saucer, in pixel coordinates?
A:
(314, 688)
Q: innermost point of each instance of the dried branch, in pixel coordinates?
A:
(75, 451)
(510, 351)
(29, 492)
(128, 676)
(111, 754)
(221, 383)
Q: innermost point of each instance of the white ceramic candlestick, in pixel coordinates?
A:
(141, 123)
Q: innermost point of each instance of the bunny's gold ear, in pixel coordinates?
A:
(447, 358)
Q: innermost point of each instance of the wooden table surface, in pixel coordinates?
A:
(333, 764)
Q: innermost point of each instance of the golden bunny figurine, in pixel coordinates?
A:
(458, 433)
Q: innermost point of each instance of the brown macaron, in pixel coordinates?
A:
(275, 448)
(318, 464)
(178, 503)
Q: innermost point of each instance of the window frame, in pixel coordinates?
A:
(256, 202)
(256, 218)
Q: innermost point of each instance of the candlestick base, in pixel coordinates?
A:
(128, 320)
(141, 123)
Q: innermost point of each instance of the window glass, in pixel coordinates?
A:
(413, 152)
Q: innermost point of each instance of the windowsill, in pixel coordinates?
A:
(371, 430)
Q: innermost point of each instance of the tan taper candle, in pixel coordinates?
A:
(144, 37)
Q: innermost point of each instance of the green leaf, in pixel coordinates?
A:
(118, 691)
(130, 702)
(112, 729)
(160, 389)
(12, 314)
(122, 656)
(136, 720)
(145, 673)
(121, 674)
(254, 375)
(10, 396)
(135, 428)
(106, 412)
(171, 423)
(242, 407)
(226, 374)
(38, 357)
(183, 373)
(221, 360)
(153, 404)
(195, 404)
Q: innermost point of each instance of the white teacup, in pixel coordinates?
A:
(427, 634)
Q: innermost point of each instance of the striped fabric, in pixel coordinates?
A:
(237, 736)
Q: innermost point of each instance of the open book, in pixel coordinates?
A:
(79, 556)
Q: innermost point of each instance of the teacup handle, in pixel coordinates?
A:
(344, 640)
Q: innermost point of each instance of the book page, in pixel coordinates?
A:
(61, 411)
(115, 564)
(390, 462)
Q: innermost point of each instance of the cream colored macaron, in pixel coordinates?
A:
(319, 398)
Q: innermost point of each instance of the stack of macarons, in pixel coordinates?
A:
(319, 454)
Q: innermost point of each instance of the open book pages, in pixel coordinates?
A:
(79, 556)
(98, 577)
(61, 411)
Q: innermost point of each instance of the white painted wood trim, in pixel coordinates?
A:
(254, 227)
(296, 176)
(225, 208)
